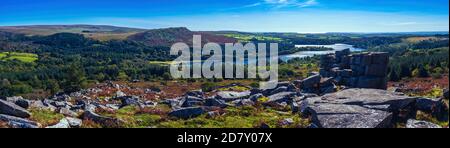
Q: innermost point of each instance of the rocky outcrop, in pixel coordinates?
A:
(355, 108)
(348, 108)
(362, 70)
(12, 109)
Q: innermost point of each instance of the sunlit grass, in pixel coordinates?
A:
(23, 57)
(45, 117)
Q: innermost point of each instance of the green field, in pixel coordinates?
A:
(246, 38)
(23, 57)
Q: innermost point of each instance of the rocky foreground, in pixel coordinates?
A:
(349, 108)
(338, 97)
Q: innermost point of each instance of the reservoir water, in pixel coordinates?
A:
(303, 54)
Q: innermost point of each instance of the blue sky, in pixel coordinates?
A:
(242, 15)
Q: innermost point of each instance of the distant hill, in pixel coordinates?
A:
(100, 32)
(169, 36)
(153, 37)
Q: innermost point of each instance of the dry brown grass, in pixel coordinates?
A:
(419, 39)
(90, 124)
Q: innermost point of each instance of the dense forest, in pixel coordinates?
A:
(425, 58)
(69, 62)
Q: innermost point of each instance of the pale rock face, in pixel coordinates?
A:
(355, 108)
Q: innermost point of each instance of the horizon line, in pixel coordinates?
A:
(143, 28)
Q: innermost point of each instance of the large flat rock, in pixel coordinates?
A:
(355, 108)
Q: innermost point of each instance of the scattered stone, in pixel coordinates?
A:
(16, 122)
(310, 82)
(129, 101)
(195, 93)
(68, 112)
(62, 97)
(110, 122)
(113, 106)
(74, 122)
(212, 114)
(244, 102)
(295, 107)
(256, 97)
(23, 103)
(59, 104)
(215, 102)
(18, 100)
(63, 123)
(173, 103)
(150, 103)
(281, 97)
(279, 90)
(80, 103)
(120, 94)
(186, 113)
(286, 122)
(420, 124)
(40, 105)
(190, 101)
(12, 109)
(355, 108)
(229, 96)
(90, 107)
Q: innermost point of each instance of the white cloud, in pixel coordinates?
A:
(285, 3)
